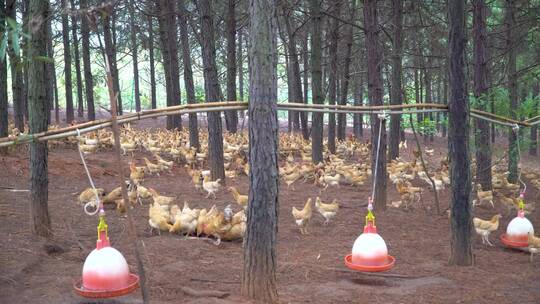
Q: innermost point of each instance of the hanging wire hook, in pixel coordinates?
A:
(97, 204)
(515, 128)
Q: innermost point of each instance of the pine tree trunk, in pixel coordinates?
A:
(231, 116)
(50, 78)
(16, 72)
(109, 52)
(348, 40)
(80, 101)
(513, 153)
(429, 94)
(67, 64)
(296, 80)
(445, 96)
(133, 38)
(260, 253)
(483, 149)
(169, 49)
(358, 101)
(87, 67)
(25, 10)
(240, 66)
(396, 96)
(375, 92)
(458, 141)
(114, 64)
(38, 106)
(304, 115)
(332, 76)
(188, 75)
(316, 81)
(3, 83)
(153, 98)
(211, 86)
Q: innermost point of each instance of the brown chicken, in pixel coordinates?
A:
(237, 227)
(328, 211)
(302, 217)
(88, 195)
(240, 199)
(485, 227)
(136, 173)
(158, 218)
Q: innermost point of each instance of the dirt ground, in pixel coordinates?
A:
(310, 268)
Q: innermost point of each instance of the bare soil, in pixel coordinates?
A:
(310, 268)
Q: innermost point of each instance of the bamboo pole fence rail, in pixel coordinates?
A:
(91, 126)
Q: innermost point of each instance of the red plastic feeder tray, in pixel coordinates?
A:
(133, 283)
(390, 261)
(514, 244)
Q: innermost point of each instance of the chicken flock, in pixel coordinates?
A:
(350, 166)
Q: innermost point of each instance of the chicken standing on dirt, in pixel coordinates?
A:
(484, 227)
(302, 217)
(152, 168)
(240, 199)
(136, 174)
(328, 211)
(211, 186)
(158, 218)
(483, 196)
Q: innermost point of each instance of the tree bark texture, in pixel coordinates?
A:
(50, 78)
(38, 106)
(110, 50)
(513, 153)
(169, 49)
(316, 81)
(3, 81)
(304, 115)
(348, 40)
(211, 88)
(80, 100)
(231, 116)
(67, 64)
(332, 75)
(87, 67)
(396, 94)
(153, 99)
(483, 148)
(458, 141)
(188, 74)
(296, 80)
(260, 254)
(133, 38)
(375, 93)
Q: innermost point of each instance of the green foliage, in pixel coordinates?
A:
(425, 127)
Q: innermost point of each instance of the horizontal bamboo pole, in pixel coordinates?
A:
(236, 105)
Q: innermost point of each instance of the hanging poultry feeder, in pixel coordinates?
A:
(105, 272)
(517, 231)
(369, 253)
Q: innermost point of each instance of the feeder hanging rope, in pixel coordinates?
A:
(381, 117)
(98, 201)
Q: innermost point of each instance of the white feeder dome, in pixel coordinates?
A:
(369, 249)
(105, 269)
(518, 229)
